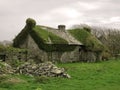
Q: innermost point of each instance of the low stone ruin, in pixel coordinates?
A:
(5, 68)
(42, 69)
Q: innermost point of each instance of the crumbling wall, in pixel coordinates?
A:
(54, 56)
(72, 56)
(16, 55)
(33, 50)
(11, 53)
(87, 56)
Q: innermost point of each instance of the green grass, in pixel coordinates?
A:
(85, 76)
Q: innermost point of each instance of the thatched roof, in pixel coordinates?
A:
(51, 39)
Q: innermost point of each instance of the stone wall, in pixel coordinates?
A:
(16, 55)
(71, 56)
(87, 56)
(13, 54)
(42, 56)
(33, 50)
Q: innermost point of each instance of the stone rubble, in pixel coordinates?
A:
(5, 68)
(42, 69)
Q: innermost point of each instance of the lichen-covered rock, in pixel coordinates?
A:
(42, 69)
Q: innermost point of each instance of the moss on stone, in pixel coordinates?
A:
(30, 22)
(21, 37)
(12, 49)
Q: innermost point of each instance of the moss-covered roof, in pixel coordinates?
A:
(48, 37)
(46, 40)
(64, 34)
(89, 41)
(49, 40)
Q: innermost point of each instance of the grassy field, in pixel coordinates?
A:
(85, 76)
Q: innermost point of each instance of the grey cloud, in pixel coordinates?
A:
(14, 12)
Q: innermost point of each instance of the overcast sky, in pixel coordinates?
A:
(13, 13)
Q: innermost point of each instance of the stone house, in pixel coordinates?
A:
(58, 45)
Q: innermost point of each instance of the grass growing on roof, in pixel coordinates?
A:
(45, 40)
(48, 36)
(48, 41)
(87, 39)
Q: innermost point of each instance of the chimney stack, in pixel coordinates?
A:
(61, 27)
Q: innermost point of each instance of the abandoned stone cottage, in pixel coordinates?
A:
(58, 45)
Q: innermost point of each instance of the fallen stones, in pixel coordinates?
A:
(5, 68)
(42, 69)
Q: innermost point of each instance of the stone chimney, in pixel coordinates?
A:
(61, 27)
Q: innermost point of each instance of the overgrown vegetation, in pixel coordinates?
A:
(48, 37)
(90, 42)
(20, 38)
(85, 76)
(15, 63)
(10, 49)
(42, 38)
(2, 48)
(46, 40)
